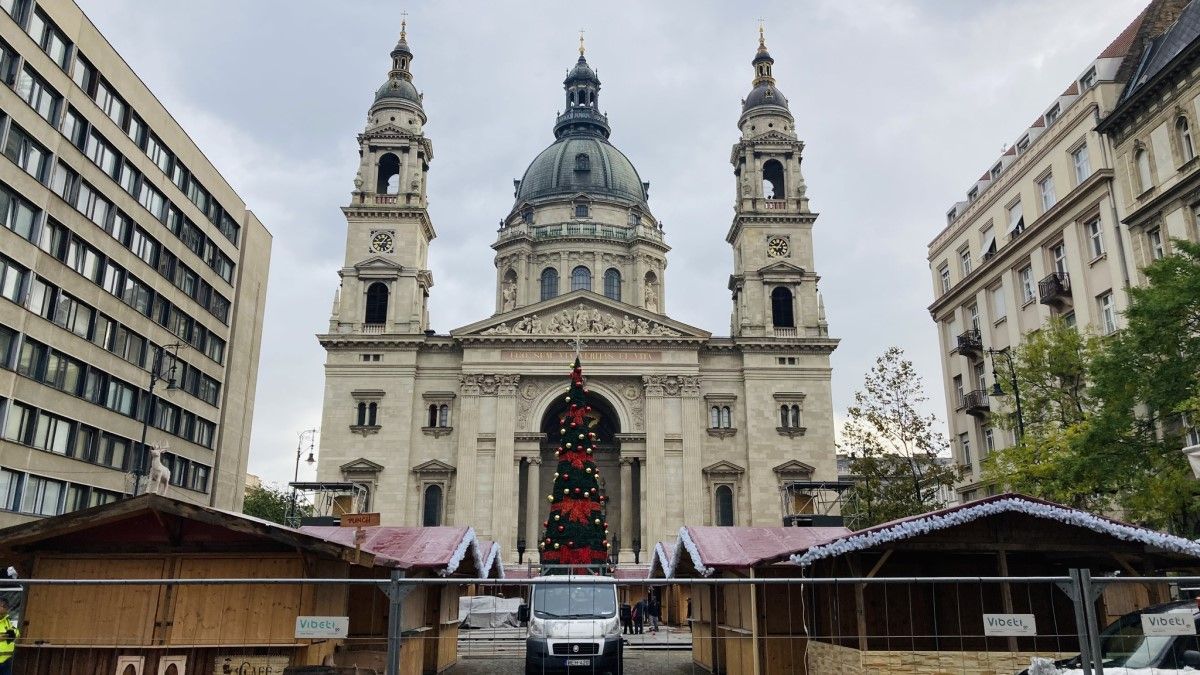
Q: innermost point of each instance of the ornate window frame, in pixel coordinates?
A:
(434, 472)
(444, 400)
(725, 405)
(728, 474)
(794, 402)
(367, 399)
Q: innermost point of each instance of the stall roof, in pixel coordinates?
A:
(154, 522)
(441, 550)
(710, 548)
(954, 516)
(664, 552)
(493, 565)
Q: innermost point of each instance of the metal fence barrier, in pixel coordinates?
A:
(726, 624)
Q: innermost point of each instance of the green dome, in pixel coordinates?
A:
(398, 88)
(588, 164)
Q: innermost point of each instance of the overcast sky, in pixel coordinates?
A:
(901, 104)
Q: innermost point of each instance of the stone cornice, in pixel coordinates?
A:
(741, 219)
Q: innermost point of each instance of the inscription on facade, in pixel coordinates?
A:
(566, 356)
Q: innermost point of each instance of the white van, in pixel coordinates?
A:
(573, 627)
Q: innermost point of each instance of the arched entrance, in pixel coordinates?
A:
(607, 425)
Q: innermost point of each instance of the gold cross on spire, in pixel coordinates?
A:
(578, 345)
(581, 42)
(403, 24)
(762, 40)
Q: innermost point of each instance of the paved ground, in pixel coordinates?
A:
(501, 651)
(636, 663)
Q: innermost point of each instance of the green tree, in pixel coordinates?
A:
(899, 458)
(1052, 369)
(576, 530)
(273, 504)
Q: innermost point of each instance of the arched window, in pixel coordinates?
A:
(581, 210)
(527, 216)
(377, 303)
(433, 415)
(443, 416)
(781, 308)
(1142, 159)
(794, 417)
(726, 418)
(362, 414)
(388, 171)
(583, 162)
(772, 173)
(783, 416)
(724, 497)
(581, 279)
(549, 283)
(372, 410)
(1185, 138)
(432, 513)
(714, 418)
(612, 283)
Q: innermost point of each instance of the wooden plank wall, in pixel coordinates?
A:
(236, 614)
(81, 615)
(703, 621)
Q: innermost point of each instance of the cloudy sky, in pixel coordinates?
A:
(901, 103)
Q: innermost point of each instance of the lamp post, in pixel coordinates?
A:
(520, 550)
(1012, 379)
(156, 374)
(311, 433)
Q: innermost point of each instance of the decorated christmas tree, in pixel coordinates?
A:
(576, 530)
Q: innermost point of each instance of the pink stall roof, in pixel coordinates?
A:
(493, 565)
(440, 550)
(708, 549)
(664, 553)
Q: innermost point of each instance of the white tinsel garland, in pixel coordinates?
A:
(461, 552)
(660, 558)
(686, 543)
(925, 525)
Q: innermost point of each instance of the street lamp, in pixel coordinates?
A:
(614, 558)
(520, 550)
(156, 374)
(310, 460)
(1012, 379)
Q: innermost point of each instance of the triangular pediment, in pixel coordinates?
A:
(389, 129)
(361, 465)
(793, 467)
(781, 267)
(377, 263)
(723, 467)
(433, 466)
(581, 313)
(774, 136)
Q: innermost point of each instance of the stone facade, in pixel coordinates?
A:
(825, 658)
(695, 429)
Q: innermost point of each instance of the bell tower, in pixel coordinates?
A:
(774, 285)
(385, 278)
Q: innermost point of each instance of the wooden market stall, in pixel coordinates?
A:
(133, 629)
(856, 628)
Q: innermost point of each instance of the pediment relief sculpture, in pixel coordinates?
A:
(582, 320)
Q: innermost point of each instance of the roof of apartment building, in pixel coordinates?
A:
(1162, 51)
(1157, 18)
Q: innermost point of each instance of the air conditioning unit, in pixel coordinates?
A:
(172, 665)
(130, 665)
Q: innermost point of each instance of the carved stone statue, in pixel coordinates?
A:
(651, 296)
(582, 319)
(508, 295)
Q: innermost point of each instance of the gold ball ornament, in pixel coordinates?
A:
(567, 491)
(550, 497)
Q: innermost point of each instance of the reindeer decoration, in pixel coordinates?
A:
(160, 475)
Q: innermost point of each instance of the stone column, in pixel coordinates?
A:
(693, 423)
(654, 479)
(467, 429)
(533, 506)
(504, 490)
(626, 508)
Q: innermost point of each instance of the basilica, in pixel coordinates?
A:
(693, 428)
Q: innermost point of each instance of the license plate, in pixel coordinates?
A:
(579, 662)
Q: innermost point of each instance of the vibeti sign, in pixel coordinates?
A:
(322, 626)
(1009, 625)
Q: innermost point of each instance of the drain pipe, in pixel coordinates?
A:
(1112, 205)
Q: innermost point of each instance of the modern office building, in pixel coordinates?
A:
(133, 280)
(1041, 233)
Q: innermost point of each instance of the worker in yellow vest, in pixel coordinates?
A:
(8, 639)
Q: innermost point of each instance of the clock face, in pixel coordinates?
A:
(777, 247)
(382, 242)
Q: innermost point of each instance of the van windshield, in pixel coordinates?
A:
(574, 601)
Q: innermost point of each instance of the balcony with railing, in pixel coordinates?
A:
(970, 343)
(975, 403)
(582, 229)
(781, 332)
(1055, 289)
(386, 199)
(373, 328)
(774, 204)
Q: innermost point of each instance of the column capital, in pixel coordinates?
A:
(489, 385)
(626, 461)
(671, 385)
(534, 461)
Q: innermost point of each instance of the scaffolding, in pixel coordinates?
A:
(809, 503)
(324, 502)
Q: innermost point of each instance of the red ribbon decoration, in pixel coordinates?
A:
(577, 510)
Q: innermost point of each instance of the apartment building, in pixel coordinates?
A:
(132, 278)
(1039, 235)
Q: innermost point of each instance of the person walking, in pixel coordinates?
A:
(8, 638)
(626, 613)
(654, 610)
(639, 617)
